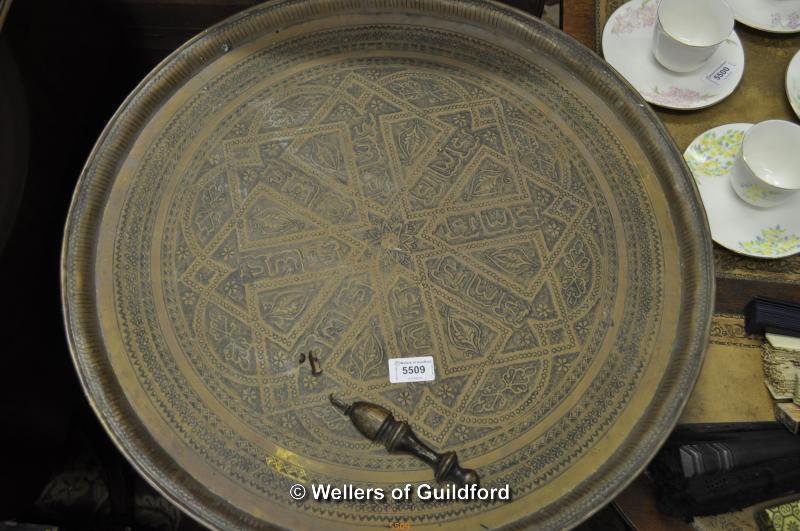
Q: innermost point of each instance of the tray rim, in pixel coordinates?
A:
(82, 329)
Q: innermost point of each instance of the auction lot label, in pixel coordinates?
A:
(403, 370)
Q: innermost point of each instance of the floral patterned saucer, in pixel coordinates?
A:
(627, 45)
(793, 83)
(736, 225)
(775, 16)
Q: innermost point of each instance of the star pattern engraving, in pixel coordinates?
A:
(393, 215)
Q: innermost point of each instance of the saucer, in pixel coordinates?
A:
(776, 16)
(737, 225)
(628, 45)
(793, 83)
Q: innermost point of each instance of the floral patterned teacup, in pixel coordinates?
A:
(688, 32)
(767, 168)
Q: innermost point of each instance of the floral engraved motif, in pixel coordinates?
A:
(250, 396)
(265, 220)
(465, 333)
(521, 339)
(433, 419)
(424, 92)
(553, 229)
(189, 298)
(279, 359)
(379, 106)
(404, 398)
(491, 180)
(395, 239)
(282, 309)
(447, 392)
(503, 391)
(411, 140)
(226, 253)
(331, 419)
(574, 274)
(461, 432)
(292, 111)
(233, 341)
(211, 208)
(232, 289)
(310, 383)
(534, 153)
(182, 253)
(514, 260)
(324, 152)
(368, 358)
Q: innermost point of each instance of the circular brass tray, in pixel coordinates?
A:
(370, 180)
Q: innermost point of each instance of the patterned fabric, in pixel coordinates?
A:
(735, 521)
(784, 517)
(730, 387)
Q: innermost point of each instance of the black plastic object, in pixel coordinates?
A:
(763, 315)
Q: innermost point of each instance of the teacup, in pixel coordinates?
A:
(767, 169)
(688, 32)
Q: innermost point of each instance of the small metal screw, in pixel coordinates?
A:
(316, 369)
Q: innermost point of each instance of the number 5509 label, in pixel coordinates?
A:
(402, 370)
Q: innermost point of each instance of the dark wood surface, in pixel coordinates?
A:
(637, 505)
(578, 20)
(734, 294)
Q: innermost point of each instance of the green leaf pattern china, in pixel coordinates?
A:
(715, 152)
(735, 224)
(772, 242)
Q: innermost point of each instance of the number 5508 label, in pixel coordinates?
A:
(402, 370)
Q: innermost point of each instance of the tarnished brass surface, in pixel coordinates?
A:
(368, 180)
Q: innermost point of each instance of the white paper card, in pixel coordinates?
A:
(403, 370)
(784, 342)
(721, 73)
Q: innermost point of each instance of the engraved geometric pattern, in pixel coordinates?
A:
(382, 211)
(443, 197)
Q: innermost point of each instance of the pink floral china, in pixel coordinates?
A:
(628, 47)
(775, 16)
